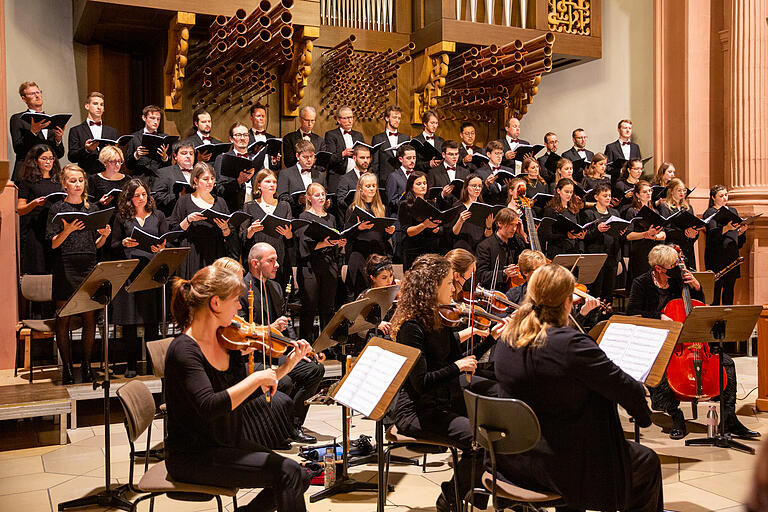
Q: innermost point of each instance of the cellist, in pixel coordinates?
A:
(652, 291)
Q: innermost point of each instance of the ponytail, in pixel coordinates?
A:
(181, 301)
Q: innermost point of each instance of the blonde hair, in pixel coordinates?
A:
(63, 181)
(549, 288)
(110, 153)
(529, 260)
(662, 255)
(671, 186)
(312, 186)
(377, 207)
(192, 295)
(228, 263)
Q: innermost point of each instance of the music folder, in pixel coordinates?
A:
(379, 223)
(153, 142)
(93, 220)
(272, 222)
(234, 219)
(271, 147)
(423, 210)
(318, 231)
(56, 120)
(120, 141)
(179, 186)
(147, 240)
(524, 150)
(480, 211)
(233, 165)
(214, 149)
(426, 150)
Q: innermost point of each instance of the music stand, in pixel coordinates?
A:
(721, 323)
(588, 265)
(97, 291)
(348, 314)
(384, 296)
(156, 274)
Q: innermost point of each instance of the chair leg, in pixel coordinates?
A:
(424, 464)
(455, 456)
(234, 502)
(387, 454)
(695, 408)
(218, 503)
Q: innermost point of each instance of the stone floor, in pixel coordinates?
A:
(36, 474)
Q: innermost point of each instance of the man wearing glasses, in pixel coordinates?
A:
(339, 142)
(579, 152)
(25, 135)
(234, 191)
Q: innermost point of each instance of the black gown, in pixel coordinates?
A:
(678, 237)
(596, 242)
(98, 186)
(638, 250)
(365, 243)
(720, 251)
(205, 238)
(281, 244)
(36, 254)
(414, 246)
(557, 242)
(469, 236)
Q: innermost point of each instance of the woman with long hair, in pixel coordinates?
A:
(564, 170)
(532, 176)
(722, 246)
(677, 201)
(207, 386)
(75, 255)
(39, 177)
(664, 174)
(573, 388)
(564, 202)
(136, 209)
(467, 235)
(624, 188)
(596, 172)
(641, 240)
(420, 237)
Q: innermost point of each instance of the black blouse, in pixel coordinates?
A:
(318, 259)
(77, 242)
(469, 236)
(595, 241)
(98, 186)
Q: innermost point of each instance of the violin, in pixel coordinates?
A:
(496, 301)
(456, 314)
(580, 295)
(241, 335)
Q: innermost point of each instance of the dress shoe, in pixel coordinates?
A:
(442, 504)
(129, 374)
(86, 373)
(67, 374)
(737, 429)
(301, 437)
(679, 429)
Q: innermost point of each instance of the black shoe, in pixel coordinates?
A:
(86, 373)
(67, 374)
(442, 504)
(737, 429)
(679, 429)
(129, 374)
(300, 436)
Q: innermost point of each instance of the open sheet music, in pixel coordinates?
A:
(366, 383)
(633, 348)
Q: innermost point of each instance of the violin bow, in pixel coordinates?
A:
(472, 320)
(493, 281)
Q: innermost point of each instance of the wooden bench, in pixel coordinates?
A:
(33, 400)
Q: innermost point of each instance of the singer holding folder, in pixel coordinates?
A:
(75, 253)
(419, 237)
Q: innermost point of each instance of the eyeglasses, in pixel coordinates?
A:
(33, 94)
(47, 158)
(475, 186)
(118, 162)
(239, 135)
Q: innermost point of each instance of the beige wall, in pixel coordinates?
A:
(38, 38)
(596, 95)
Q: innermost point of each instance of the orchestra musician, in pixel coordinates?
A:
(497, 255)
(722, 246)
(83, 146)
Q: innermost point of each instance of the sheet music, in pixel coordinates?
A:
(369, 379)
(633, 348)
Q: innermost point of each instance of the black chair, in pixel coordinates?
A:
(505, 426)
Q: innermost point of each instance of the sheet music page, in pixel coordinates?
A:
(633, 348)
(372, 374)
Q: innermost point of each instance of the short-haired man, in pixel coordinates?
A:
(430, 121)
(295, 179)
(164, 189)
(467, 149)
(621, 149)
(302, 382)
(579, 153)
(497, 255)
(236, 192)
(406, 154)
(83, 147)
(510, 142)
(201, 134)
(384, 160)
(307, 116)
(258, 133)
(493, 191)
(361, 156)
(445, 173)
(339, 142)
(548, 161)
(24, 135)
(137, 157)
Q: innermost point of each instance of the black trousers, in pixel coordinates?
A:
(318, 294)
(605, 283)
(724, 290)
(248, 467)
(300, 384)
(664, 399)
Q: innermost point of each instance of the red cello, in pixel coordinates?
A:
(693, 371)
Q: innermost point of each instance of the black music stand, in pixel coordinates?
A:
(588, 265)
(156, 274)
(97, 291)
(721, 323)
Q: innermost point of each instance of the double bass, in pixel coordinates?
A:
(693, 371)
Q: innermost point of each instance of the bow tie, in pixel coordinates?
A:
(429, 137)
(450, 168)
(494, 169)
(514, 141)
(625, 143)
(256, 133)
(305, 171)
(345, 132)
(306, 135)
(241, 155)
(206, 137)
(94, 123)
(392, 134)
(152, 133)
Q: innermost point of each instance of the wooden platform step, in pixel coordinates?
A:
(34, 400)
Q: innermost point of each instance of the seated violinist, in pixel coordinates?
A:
(497, 254)
(650, 294)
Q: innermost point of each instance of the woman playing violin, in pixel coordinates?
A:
(207, 386)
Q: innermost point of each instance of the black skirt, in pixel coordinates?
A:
(70, 272)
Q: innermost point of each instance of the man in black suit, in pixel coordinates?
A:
(502, 249)
(25, 135)
(137, 158)
(307, 117)
(83, 149)
(467, 149)
(181, 171)
(302, 382)
(578, 152)
(236, 192)
(202, 124)
(384, 161)
(428, 136)
(258, 132)
(339, 142)
(406, 154)
(444, 174)
(298, 177)
(362, 158)
(548, 161)
(510, 142)
(493, 192)
(621, 149)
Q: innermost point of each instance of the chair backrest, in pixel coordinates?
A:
(157, 350)
(139, 407)
(504, 425)
(37, 288)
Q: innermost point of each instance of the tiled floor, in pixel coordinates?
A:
(35, 474)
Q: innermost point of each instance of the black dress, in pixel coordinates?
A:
(281, 244)
(538, 186)
(678, 237)
(469, 236)
(98, 186)
(557, 242)
(719, 251)
(365, 243)
(414, 246)
(36, 254)
(590, 183)
(596, 242)
(76, 256)
(638, 250)
(206, 239)
(620, 190)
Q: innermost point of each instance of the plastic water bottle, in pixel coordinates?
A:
(712, 421)
(329, 469)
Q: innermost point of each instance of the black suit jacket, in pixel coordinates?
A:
(197, 141)
(228, 188)
(548, 166)
(23, 140)
(289, 146)
(275, 303)
(463, 154)
(384, 161)
(613, 152)
(491, 249)
(422, 164)
(334, 143)
(289, 181)
(259, 162)
(346, 183)
(162, 188)
(438, 177)
(144, 167)
(77, 154)
(395, 190)
(510, 163)
(573, 155)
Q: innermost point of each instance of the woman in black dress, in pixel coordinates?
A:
(420, 237)
(207, 388)
(676, 201)
(567, 204)
(722, 246)
(39, 177)
(208, 240)
(318, 264)
(467, 235)
(367, 241)
(595, 173)
(624, 188)
(265, 202)
(564, 170)
(534, 182)
(573, 388)
(75, 255)
(101, 184)
(663, 176)
(597, 241)
(136, 209)
(641, 240)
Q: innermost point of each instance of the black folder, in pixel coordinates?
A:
(234, 219)
(92, 221)
(146, 240)
(214, 149)
(723, 216)
(178, 186)
(323, 160)
(272, 146)
(55, 197)
(153, 142)
(480, 211)
(318, 231)
(272, 222)
(524, 150)
(426, 150)
(233, 165)
(120, 141)
(424, 210)
(683, 219)
(56, 120)
(379, 223)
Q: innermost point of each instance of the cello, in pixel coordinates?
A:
(693, 371)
